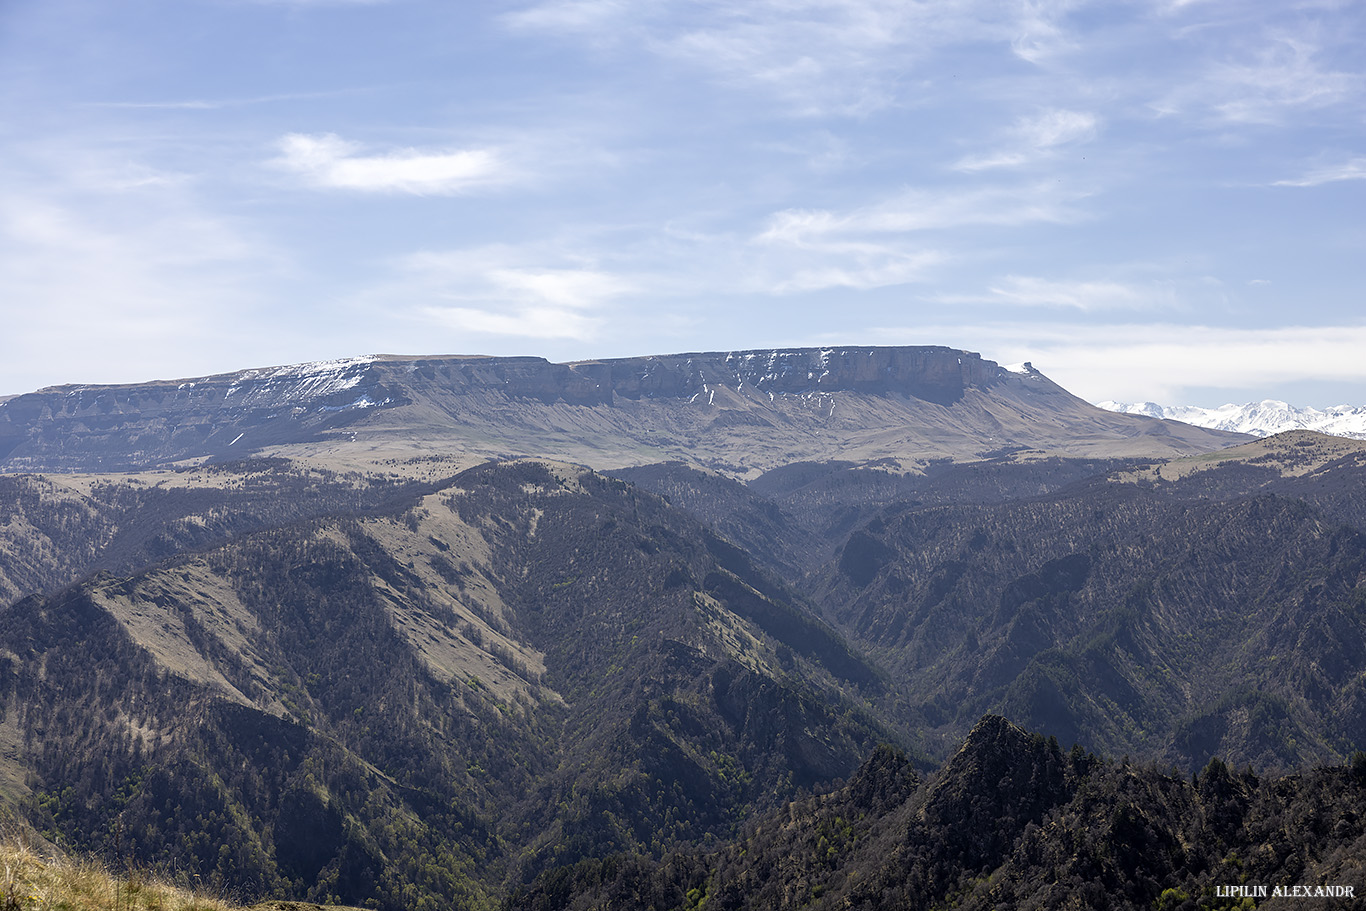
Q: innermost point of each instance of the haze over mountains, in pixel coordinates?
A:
(1257, 418)
(501, 633)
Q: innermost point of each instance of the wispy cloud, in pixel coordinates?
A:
(883, 244)
(816, 56)
(317, 2)
(573, 15)
(1355, 169)
(1034, 138)
(1039, 32)
(149, 285)
(1032, 291)
(499, 290)
(215, 104)
(1283, 77)
(330, 162)
(517, 322)
(924, 210)
(1165, 358)
(855, 266)
(1159, 361)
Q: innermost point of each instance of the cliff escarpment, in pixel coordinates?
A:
(740, 412)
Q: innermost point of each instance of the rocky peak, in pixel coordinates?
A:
(1002, 779)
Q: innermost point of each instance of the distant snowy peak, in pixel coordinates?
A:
(1257, 418)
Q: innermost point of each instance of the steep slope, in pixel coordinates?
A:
(771, 534)
(1180, 609)
(57, 529)
(740, 412)
(529, 665)
(832, 499)
(1328, 472)
(1011, 821)
(1118, 616)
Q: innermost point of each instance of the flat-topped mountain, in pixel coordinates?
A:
(738, 412)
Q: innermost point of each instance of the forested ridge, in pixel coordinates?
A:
(532, 685)
(1011, 821)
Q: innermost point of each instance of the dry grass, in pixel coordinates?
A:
(33, 880)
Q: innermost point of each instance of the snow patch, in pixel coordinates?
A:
(1257, 418)
(311, 380)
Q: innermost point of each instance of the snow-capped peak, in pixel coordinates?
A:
(1257, 418)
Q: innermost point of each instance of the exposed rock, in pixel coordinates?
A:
(738, 412)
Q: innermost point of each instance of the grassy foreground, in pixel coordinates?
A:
(33, 880)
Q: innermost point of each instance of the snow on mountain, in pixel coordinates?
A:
(1257, 418)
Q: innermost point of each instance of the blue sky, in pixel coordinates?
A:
(1148, 200)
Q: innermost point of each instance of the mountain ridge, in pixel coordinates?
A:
(738, 412)
(449, 675)
(1264, 418)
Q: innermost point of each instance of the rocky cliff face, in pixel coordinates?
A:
(706, 408)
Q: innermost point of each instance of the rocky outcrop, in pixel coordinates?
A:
(739, 412)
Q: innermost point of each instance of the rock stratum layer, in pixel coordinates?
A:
(737, 412)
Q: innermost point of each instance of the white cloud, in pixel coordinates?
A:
(519, 322)
(517, 276)
(872, 247)
(924, 210)
(1056, 127)
(571, 15)
(855, 266)
(499, 290)
(1038, 32)
(1031, 291)
(1164, 359)
(1159, 361)
(318, 2)
(148, 285)
(331, 162)
(1283, 78)
(1033, 138)
(214, 104)
(816, 56)
(1355, 169)
(562, 287)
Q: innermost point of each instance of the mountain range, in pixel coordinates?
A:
(858, 627)
(1257, 418)
(740, 413)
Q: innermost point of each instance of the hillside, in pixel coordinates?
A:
(1175, 610)
(473, 683)
(1012, 821)
(55, 529)
(740, 413)
(1127, 621)
(530, 665)
(38, 876)
(383, 670)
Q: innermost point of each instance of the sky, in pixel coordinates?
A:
(1159, 200)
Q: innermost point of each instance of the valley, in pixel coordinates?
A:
(709, 629)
